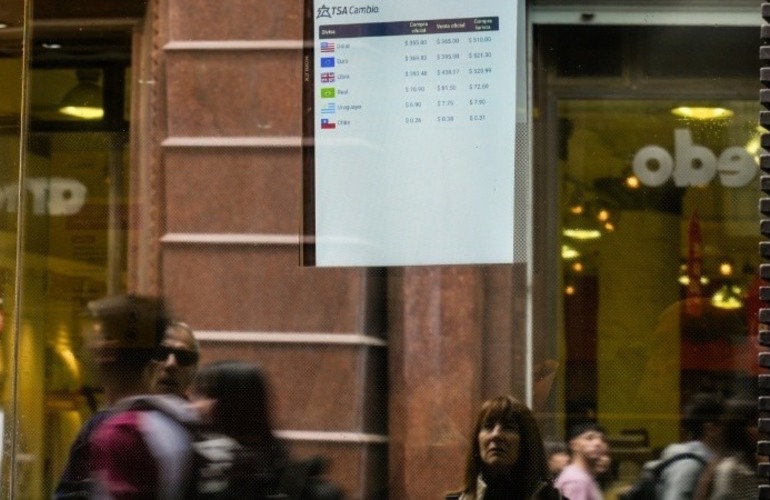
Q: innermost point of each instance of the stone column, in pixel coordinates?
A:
(435, 376)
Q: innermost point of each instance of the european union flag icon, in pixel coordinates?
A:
(327, 62)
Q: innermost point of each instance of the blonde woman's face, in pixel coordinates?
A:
(499, 446)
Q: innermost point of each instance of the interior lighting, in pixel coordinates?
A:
(727, 297)
(577, 202)
(702, 112)
(569, 252)
(581, 227)
(632, 181)
(577, 267)
(569, 290)
(603, 215)
(726, 268)
(684, 278)
(84, 100)
(582, 233)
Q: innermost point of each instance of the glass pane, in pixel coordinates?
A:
(75, 225)
(11, 140)
(659, 258)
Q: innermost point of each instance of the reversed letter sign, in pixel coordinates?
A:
(693, 164)
(411, 128)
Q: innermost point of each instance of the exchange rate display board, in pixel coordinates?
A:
(409, 132)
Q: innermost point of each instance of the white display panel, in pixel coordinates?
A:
(412, 115)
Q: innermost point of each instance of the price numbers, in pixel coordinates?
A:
(443, 103)
(412, 120)
(477, 102)
(479, 39)
(478, 118)
(445, 118)
(446, 87)
(447, 41)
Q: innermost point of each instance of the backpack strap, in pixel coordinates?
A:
(658, 469)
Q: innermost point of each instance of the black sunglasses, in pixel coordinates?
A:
(183, 356)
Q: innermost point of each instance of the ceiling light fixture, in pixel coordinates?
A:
(702, 112)
(84, 100)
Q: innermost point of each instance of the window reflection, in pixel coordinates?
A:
(659, 305)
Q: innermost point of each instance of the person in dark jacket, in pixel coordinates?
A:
(231, 398)
(507, 458)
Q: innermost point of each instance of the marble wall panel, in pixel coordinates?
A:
(246, 93)
(233, 190)
(316, 387)
(255, 20)
(260, 288)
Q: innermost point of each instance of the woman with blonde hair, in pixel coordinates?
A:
(507, 458)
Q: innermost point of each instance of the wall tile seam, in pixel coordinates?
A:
(233, 45)
(352, 339)
(258, 239)
(233, 142)
(332, 437)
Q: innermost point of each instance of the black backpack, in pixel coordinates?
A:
(304, 480)
(213, 455)
(215, 472)
(645, 488)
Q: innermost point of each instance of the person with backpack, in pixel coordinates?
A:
(142, 450)
(175, 362)
(232, 400)
(676, 474)
(733, 476)
(702, 429)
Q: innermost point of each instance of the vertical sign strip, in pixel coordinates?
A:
(763, 446)
(307, 237)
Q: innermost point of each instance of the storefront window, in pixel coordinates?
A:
(75, 215)
(655, 259)
(658, 256)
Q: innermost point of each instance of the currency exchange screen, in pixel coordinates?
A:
(409, 129)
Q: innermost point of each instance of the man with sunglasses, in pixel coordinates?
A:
(175, 361)
(125, 451)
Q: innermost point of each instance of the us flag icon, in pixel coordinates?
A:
(327, 46)
(327, 77)
(327, 124)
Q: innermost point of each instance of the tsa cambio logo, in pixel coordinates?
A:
(338, 10)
